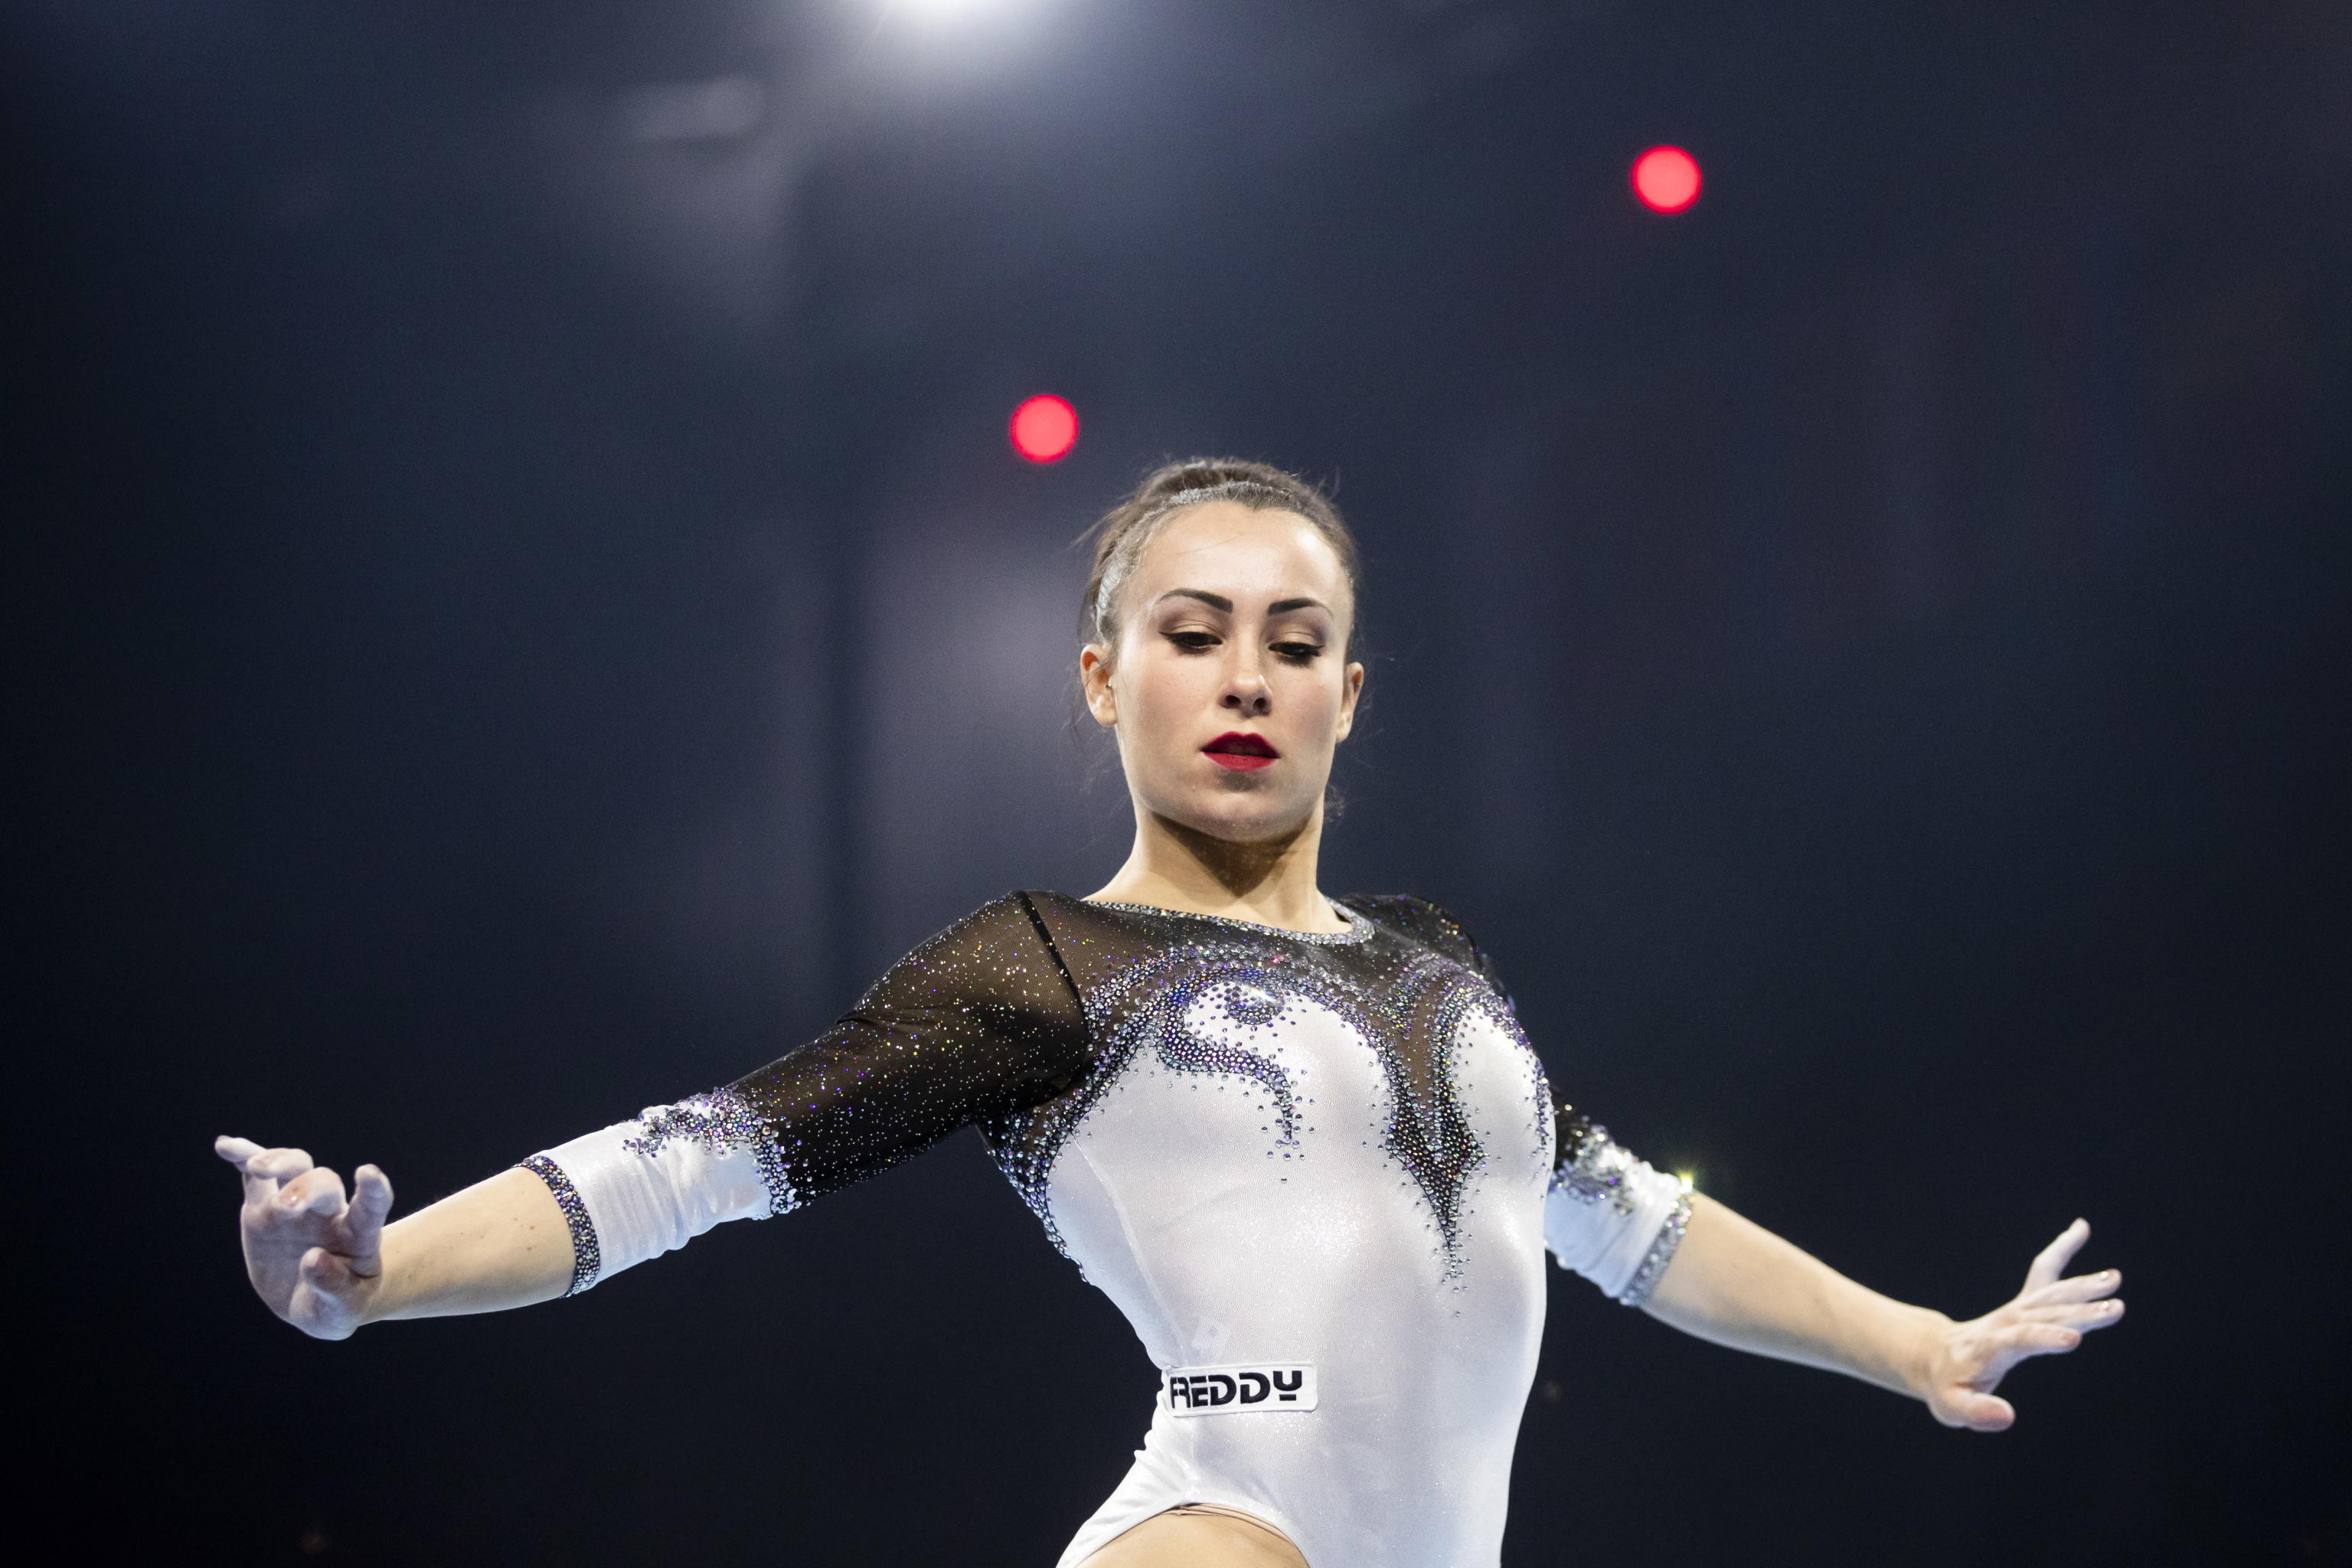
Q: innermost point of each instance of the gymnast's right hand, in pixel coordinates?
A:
(314, 1257)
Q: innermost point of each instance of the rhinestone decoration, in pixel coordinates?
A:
(1150, 1006)
(981, 1021)
(720, 1123)
(587, 1261)
(1358, 927)
(1592, 1165)
(1252, 1003)
(1403, 1001)
(1021, 1017)
(1661, 1251)
(1429, 1135)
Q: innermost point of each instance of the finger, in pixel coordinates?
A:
(278, 1164)
(266, 1169)
(241, 1152)
(2083, 1315)
(323, 1304)
(2098, 1315)
(2052, 1261)
(363, 1227)
(2014, 1345)
(1978, 1411)
(326, 1272)
(2075, 1287)
(315, 1192)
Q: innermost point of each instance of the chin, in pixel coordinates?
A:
(1242, 816)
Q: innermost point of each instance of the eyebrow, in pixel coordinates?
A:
(1219, 601)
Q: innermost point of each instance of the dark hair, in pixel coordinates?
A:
(1126, 528)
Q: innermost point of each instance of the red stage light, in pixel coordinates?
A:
(1667, 179)
(1044, 428)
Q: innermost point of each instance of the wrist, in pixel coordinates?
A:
(378, 1296)
(383, 1300)
(1920, 1351)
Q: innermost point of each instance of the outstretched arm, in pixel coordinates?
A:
(1736, 1283)
(981, 1017)
(328, 1264)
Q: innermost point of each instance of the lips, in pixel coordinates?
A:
(1237, 752)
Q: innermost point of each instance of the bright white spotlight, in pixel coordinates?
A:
(963, 41)
(953, 10)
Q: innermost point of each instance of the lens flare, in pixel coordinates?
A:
(1044, 428)
(1667, 179)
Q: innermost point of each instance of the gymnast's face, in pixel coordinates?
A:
(1228, 687)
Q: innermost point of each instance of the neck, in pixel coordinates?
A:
(1270, 881)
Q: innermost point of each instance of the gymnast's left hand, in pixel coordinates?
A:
(1961, 1364)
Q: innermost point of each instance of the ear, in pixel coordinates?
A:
(1348, 697)
(1094, 680)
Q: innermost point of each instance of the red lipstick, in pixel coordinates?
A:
(1240, 753)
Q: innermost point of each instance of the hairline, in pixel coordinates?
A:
(1219, 602)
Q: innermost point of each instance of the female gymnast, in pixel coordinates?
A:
(1300, 1140)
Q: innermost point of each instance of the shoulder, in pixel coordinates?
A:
(994, 948)
(1094, 940)
(1006, 916)
(1415, 917)
(1424, 922)
(992, 973)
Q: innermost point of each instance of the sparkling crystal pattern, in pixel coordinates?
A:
(981, 1021)
(1592, 1166)
(587, 1262)
(720, 1123)
(1330, 1147)
(1153, 1006)
(1427, 1133)
(1249, 1005)
(1020, 1018)
(1661, 1251)
(1403, 1001)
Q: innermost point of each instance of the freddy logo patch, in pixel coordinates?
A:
(1224, 1390)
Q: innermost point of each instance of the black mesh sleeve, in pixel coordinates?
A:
(980, 1020)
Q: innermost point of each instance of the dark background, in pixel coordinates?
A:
(523, 603)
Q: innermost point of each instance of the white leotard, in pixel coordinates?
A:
(1318, 1174)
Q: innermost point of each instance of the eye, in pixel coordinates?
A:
(1194, 641)
(1298, 652)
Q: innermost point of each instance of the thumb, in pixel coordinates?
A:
(327, 1273)
(1978, 1411)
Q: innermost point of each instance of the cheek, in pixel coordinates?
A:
(1156, 693)
(1315, 699)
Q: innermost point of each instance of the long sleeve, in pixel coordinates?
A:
(980, 1020)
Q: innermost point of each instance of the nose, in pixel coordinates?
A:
(1245, 693)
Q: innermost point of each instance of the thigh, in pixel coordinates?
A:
(1199, 1535)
